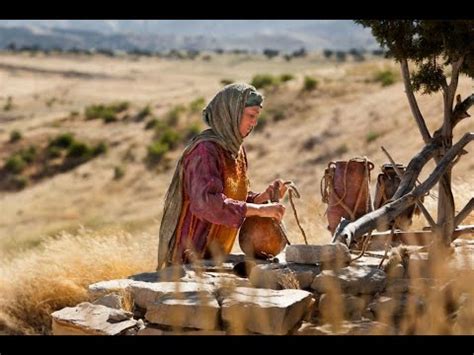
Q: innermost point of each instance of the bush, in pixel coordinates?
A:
(100, 148)
(309, 83)
(286, 77)
(15, 164)
(53, 152)
(193, 131)
(107, 113)
(371, 136)
(119, 172)
(261, 123)
(172, 117)
(9, 105)
(385, 77)
(156, 151)
(28, 155)
(170, 137)
(62, 141)
(79, 150)
(144, 112)
(197, 105)
(263, 80)
(226, 81)
(151, 123)
(278, 115)
(19, 182)
(15, 136)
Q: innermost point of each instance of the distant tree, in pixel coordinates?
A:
(328, 53)
(300, 53)
(341, 56)
(270, 53)
(438, 50)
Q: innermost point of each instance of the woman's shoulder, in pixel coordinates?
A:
(205, 148)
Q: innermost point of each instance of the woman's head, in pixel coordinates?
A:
(233, 111)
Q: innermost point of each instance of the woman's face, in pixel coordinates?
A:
(249, 120)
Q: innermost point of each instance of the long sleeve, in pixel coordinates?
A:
(204, 185)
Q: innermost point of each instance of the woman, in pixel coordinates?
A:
(209, 198)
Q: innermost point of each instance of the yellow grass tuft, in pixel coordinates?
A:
(40, 281)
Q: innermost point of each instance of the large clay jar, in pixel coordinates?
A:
(262, 237)
(387, 184)
(347, 187)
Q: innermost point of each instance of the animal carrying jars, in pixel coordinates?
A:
(345, 188)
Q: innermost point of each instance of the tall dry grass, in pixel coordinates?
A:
(37, 282)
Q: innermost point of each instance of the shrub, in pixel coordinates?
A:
(226, 81)
(385, 77)
(15, 136)
(9, 104)
(193, 131)
(170, 137)
(62, 141)
(151, 123)
(156, 151)
(119, 172)
(107, 113)
(53, 152)
(28, 155)
(371, 136)
(172, 117)
(79, 150)
(261, 123)
(309, 83)
(19, 182)
(100, 148)
(15, 164)
(286, 77)
(197, 105)
(144, 112)
(263, 80)
(278, 115)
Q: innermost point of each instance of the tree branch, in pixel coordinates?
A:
(461, 108)
(412, 101)
(449, 97)
(415, 166)
(464, 212)
(418, 202)
(348, 232)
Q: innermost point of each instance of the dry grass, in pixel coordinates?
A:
(38, 282)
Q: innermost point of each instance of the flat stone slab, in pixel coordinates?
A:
(362, 327)
(216, 279)
(156, 331)
(279, 276)
(146, 293)
(185, 310)
(353, 280)
(263, 311)
(89, 319)
(329, 256)
(102, 288)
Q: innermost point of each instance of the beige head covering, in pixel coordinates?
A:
(223, 115)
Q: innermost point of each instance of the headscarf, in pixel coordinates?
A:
(222, 115)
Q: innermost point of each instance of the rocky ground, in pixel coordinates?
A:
(307, 290)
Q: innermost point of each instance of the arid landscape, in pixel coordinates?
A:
(70, 218)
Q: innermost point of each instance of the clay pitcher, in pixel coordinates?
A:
(346, 190)
(262, 237)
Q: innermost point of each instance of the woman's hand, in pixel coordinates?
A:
(271, 210)
(267, 194)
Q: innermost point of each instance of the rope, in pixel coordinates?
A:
(293, 190)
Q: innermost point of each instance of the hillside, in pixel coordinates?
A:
(347, 115)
